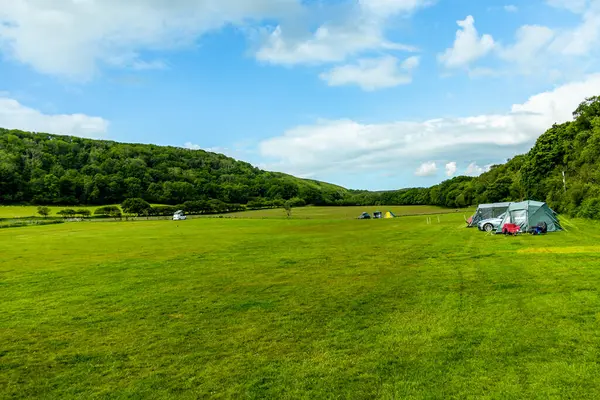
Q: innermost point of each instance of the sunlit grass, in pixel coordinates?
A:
(306, 308)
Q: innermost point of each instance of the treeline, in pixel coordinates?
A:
(38, 168)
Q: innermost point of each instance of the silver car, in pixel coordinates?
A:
(491, 224)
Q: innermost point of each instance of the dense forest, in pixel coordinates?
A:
(48, 169)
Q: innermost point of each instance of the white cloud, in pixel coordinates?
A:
(475, 170)
(511, 8)
(529, 50)
(373, 74)
(390, 7)
(327, 45)
(576, 6)
(468, 46)
(351, 32)
(346, 145)
(73, 37)
(581, 40)
(14, 115)
(426, 169)
(553, 53)
(192, 146)
(451, 168)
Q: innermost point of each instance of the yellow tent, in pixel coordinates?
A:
(389, 214)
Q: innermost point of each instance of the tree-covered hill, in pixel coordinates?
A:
(572, 147)
(41, 168)
(49, 169)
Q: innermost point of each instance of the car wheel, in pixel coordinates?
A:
(488, 227)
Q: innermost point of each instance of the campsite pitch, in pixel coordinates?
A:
(346, 212)
(276, 308)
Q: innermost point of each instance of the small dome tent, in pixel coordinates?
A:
(487, 211)
(528, 214)
(389, 215)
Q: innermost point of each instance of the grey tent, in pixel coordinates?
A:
(528, 214)
(486, 211)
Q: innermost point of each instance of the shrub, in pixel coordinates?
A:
(84, 213)
(163, 211)
(67, 212)
(109, 211)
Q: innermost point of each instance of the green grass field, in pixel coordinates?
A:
(299, 213)
(31, 211)
(313, 308)
(344, 212)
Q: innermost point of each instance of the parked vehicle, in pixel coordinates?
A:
(491, 224)
(179, 216)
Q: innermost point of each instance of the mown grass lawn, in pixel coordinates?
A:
(345, 212)
(276, 308)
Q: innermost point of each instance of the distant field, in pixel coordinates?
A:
(344, 212)
(297, 213)
(313, 308)
(31, 211)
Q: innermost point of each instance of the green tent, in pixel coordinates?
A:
(487, 211)
(528, 214)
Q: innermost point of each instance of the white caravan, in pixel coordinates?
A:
(179, 216)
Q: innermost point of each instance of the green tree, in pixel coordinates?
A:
(43, 211)
(136, 206)
(287, 206)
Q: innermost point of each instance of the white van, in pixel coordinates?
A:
(179, 216)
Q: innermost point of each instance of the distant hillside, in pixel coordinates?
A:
(41, 168)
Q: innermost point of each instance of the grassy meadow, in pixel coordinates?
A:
(31, 211)
(297, 213)
(344, 212)
(300, 308)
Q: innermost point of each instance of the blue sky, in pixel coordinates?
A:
(369, 94)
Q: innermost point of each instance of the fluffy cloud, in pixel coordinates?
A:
(536, 49)
(582, 39)
(427, 169)
(327, 45)
(468, 46)
(359, 30)
(451, 168)
(192, 146)
(373, 74)
(475, 170)
(530, 41)
(391, 7)
(346, 145)
(576, 6)
(79, 35)
(14, 115)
